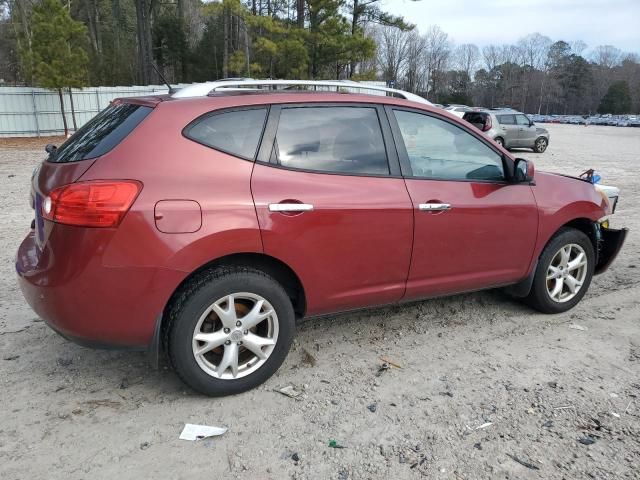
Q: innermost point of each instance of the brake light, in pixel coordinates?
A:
(487, 124)
(99, 203)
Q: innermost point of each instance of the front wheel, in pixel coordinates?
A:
(564, 272)
(230, 329)
(540, 145)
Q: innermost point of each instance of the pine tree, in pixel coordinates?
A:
(57, 50)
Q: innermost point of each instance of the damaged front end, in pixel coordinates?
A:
(609, 242)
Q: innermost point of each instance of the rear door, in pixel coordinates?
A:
(332, 205)
(473, 229)
(509, 130)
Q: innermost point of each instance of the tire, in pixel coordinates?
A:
(551, 262)
(499, 141)
(202, 307)
(540, 145)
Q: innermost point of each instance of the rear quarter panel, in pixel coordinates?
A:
(172, 167)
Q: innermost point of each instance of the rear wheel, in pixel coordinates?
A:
(230, 330)
(540, 145)
(499, 141)
(564, 272)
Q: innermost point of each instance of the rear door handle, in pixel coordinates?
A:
(290, 207)
(431, 207)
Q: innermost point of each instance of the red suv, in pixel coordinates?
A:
(203, 227)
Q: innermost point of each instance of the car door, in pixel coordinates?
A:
(509, 130)
(473, 229)
(332, 205)
(526, 131)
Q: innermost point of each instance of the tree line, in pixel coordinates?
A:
(59, 44)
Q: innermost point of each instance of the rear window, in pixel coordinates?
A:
(102, 133)
(236, 131)
(474, 117)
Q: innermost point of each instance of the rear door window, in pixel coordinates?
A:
(346, 140)
(236, 132)
(506, 119)
(102, 133)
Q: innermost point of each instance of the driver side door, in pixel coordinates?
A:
(473, 229)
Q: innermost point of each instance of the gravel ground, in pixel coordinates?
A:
(487, 388)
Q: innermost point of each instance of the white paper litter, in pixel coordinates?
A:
(575, 326)
(484, 425)
(289, 391)
(197, 432)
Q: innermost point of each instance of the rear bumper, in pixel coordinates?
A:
(610, 244)
(67, 285)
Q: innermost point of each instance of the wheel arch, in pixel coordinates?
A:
(272, 266)
(583, 224)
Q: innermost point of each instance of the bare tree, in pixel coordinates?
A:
(467, 57)
(437, 52)
(606, 56)
(392, 49)
(414, 65)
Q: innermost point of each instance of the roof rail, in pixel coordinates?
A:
(204, 89)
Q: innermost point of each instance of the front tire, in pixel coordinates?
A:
(229, 330)
(540, 145)
(564, 272)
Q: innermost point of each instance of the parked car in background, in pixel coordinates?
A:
(458, 110)
(179, 224)
(510, 128)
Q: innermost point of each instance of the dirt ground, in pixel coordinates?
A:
(487, 389)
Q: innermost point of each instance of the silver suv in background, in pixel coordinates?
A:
(510, 128)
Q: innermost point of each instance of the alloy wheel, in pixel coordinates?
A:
(541, 145)
(235, 335)
(566, 273)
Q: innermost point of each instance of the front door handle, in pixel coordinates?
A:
(290, 207)
(434, 207)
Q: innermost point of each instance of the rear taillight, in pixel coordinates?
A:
(487, 124)
(99, 203)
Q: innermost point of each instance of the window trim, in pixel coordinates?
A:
(403, 156)
(269, 139)
(266, 107)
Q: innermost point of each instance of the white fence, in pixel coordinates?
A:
(35, 112)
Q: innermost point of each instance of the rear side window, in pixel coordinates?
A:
(345, 140)
(506, 119)
(236, 132)
(102, 133)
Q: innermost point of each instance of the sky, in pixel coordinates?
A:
(483, 22)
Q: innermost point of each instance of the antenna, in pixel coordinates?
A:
(164, 80)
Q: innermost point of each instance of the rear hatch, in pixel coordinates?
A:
(75, 156)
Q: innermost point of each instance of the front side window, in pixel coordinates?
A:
(522, 120)
(440, 150)
(236, 132)
(345, 140)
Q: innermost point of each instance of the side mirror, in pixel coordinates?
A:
(531, 124)
(524, 171)
(50, 148)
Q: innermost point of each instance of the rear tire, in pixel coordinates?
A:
(499, 141)
(229, 330)
(540, 145)
(564, 272)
